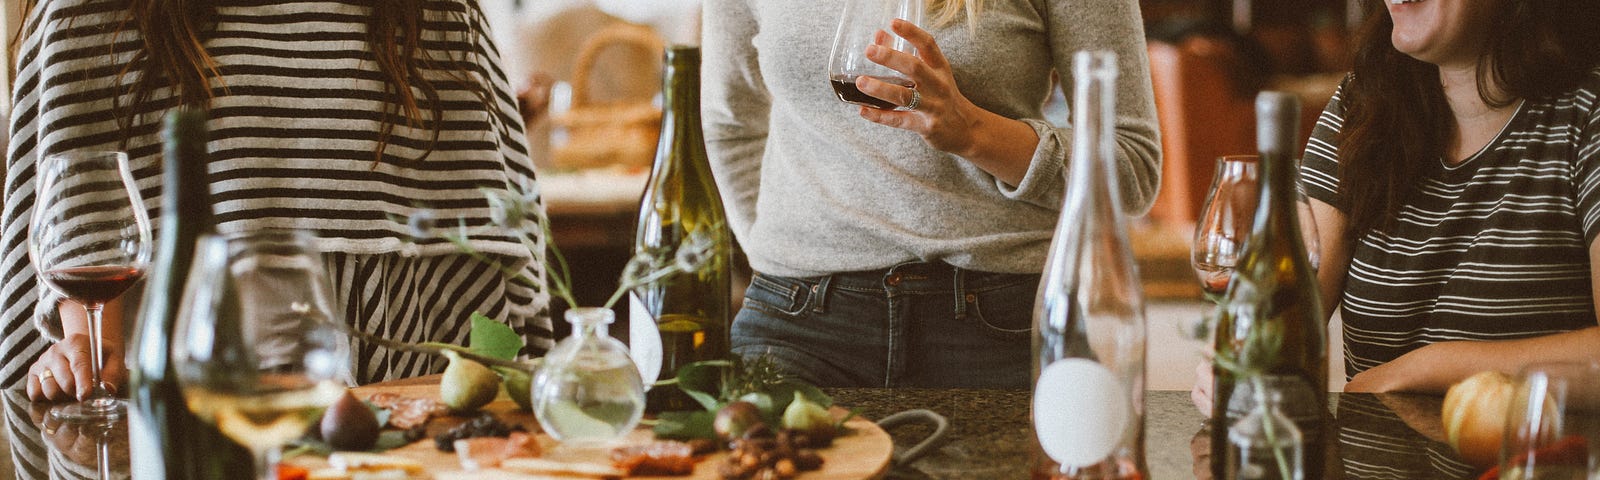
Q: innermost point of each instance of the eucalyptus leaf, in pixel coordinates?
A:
(493, 339)
(685, 425)
(702, 381)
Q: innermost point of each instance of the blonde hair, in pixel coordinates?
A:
(944, 12)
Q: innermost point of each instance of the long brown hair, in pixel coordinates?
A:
(174, 34)
(1396, 115)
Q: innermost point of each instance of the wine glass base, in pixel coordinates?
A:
(86, 413)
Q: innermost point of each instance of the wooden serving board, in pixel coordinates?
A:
(864, 453)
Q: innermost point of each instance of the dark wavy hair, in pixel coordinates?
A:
(1396, 115)
(173, 53)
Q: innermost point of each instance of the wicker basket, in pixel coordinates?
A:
(611, 132)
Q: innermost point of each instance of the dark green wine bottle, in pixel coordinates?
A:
(1271, 331)
(167, 441)
(684, 317)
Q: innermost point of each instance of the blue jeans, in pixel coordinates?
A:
(913, 325)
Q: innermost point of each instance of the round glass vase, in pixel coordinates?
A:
(588, 390)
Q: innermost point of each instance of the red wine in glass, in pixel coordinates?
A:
(845, 87)
(94, 284)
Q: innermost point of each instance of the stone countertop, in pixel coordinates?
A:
(1379, 436)
(990, 433)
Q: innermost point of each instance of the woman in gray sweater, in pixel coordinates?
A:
(903, 248)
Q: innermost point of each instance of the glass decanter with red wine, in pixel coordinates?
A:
(89, 239)
(864, 23)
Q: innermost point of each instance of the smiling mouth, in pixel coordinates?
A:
(1400, 2)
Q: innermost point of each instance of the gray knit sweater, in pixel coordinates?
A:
(811, 188)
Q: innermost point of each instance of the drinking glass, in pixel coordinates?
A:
(1227, 217)
(864, 23)
(254, 351)
(1553, 424)
(89, 239)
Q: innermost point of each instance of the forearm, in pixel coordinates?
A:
(1434, 368)
(999, 145)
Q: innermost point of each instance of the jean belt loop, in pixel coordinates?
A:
(819, 295)
(960, 288)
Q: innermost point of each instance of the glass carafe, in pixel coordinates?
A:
(589, 389)
(1265, 444)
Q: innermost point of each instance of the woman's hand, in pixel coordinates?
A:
(1200, 393)
(942, 115)
(63, 372)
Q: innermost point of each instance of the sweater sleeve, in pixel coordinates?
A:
(1115, 26)
(734, 108)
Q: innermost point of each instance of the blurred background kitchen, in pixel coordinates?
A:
(593, 69)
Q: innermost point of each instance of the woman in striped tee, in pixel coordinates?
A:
(342, 117)
(1454, 179)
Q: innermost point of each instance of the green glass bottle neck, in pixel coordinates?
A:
(1277, 217)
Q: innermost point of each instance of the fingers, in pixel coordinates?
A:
(1200, 393)
(897, 94)
(114, 374)
(927, 48)
(913, 67)
(80, 366)
(50, 377)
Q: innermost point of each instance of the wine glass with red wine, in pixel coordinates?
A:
(89, 239)
(864, 23)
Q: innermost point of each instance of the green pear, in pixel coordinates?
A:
(467, 385)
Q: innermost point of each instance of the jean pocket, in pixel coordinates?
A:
(1004, 311)
(776, 295)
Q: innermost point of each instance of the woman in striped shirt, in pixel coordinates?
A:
(1454, 179)
(342, 117)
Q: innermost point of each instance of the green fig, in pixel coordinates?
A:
(467, 385)
(349, 424)
(519, 385)
(808, 417)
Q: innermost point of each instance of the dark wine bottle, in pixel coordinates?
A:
(1271, 331)
(1088, 321)
(166, 440)
(684, 317)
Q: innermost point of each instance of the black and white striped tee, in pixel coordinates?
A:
(1493, 248)
(294, 134)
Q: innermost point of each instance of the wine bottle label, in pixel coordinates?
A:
(644, 340)
(144, 447)
(1081, 412)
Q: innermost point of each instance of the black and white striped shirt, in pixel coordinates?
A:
(1493, 248)
(294, 131)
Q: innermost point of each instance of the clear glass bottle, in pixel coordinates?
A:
(588, 389)
(1265, 444)
(1089, 324)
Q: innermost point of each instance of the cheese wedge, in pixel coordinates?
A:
(543, 466)
(360, 461)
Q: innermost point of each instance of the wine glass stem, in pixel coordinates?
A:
(99, 398)
(266, 460)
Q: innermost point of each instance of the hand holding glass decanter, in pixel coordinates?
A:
(89, 239)
(254, 351)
